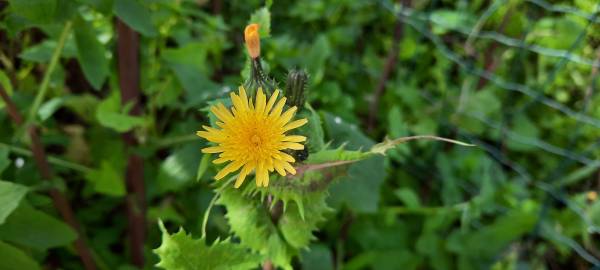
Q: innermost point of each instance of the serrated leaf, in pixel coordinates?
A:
(262, 17)
(33, 228)
(180, 251)
(11, 195)
(91, 54)
(250, 221)
(15, 259)
(136, 16)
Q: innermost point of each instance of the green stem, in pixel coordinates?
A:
(175, 140)
(39, 98)
(207, 213)
(401, 210)
(51, 160)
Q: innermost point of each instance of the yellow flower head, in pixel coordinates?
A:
(252, 137)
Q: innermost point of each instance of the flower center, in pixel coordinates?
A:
(255, 140)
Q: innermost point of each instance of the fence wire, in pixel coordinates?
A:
(422, 21)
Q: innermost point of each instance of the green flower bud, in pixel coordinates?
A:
(295, 88)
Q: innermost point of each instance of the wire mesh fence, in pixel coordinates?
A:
(578, 156)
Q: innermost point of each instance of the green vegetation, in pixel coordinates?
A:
(100, 167)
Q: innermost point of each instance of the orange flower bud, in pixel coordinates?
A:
(252, 38)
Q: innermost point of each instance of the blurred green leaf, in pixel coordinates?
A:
(359, 189)
(15, 259)
(317, 257)
(4, 160)
(42, 12)
(107, 180)
(180, 168)
(110, 114)
(316, 57)
(90, 54)
(42, 52)
(50, 107)
(408, 197)
(6, 85)
(11, 195)
(136, 16)
(33, 228)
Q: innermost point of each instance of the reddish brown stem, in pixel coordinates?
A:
(390, 63)
(58, 198)
(128, 49)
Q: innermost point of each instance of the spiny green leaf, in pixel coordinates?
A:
(249, 219)
(180, 251)
(262, 17)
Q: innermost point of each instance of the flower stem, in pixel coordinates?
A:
(207, 213)
(46, 80)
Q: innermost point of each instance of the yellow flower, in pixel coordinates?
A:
(252, 137)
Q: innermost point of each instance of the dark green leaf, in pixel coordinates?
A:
(136, 15)
(15, 259)
(10, 197)
(33, 228)
(90, 54)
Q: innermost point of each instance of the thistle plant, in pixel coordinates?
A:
(273, 220)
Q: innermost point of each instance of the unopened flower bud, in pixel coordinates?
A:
(295, 87)
(252, 38)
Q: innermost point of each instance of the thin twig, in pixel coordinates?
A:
(39, 98)
(52, 160)
(58, 198)
(129, 76)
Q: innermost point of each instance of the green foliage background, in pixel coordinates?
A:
(517, 78)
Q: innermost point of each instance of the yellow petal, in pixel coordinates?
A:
(213, 150)
(243, 173)
(295, 124)
(272, 101)
(278, 108)
(243, 96)
(221, 160)
(223, 115)
(291, 145)
(262, 175)
(231, 167)
(283, 157)
(287, 115)
(261, 100)
(278, 164)
(294, 138)
(289, 168)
